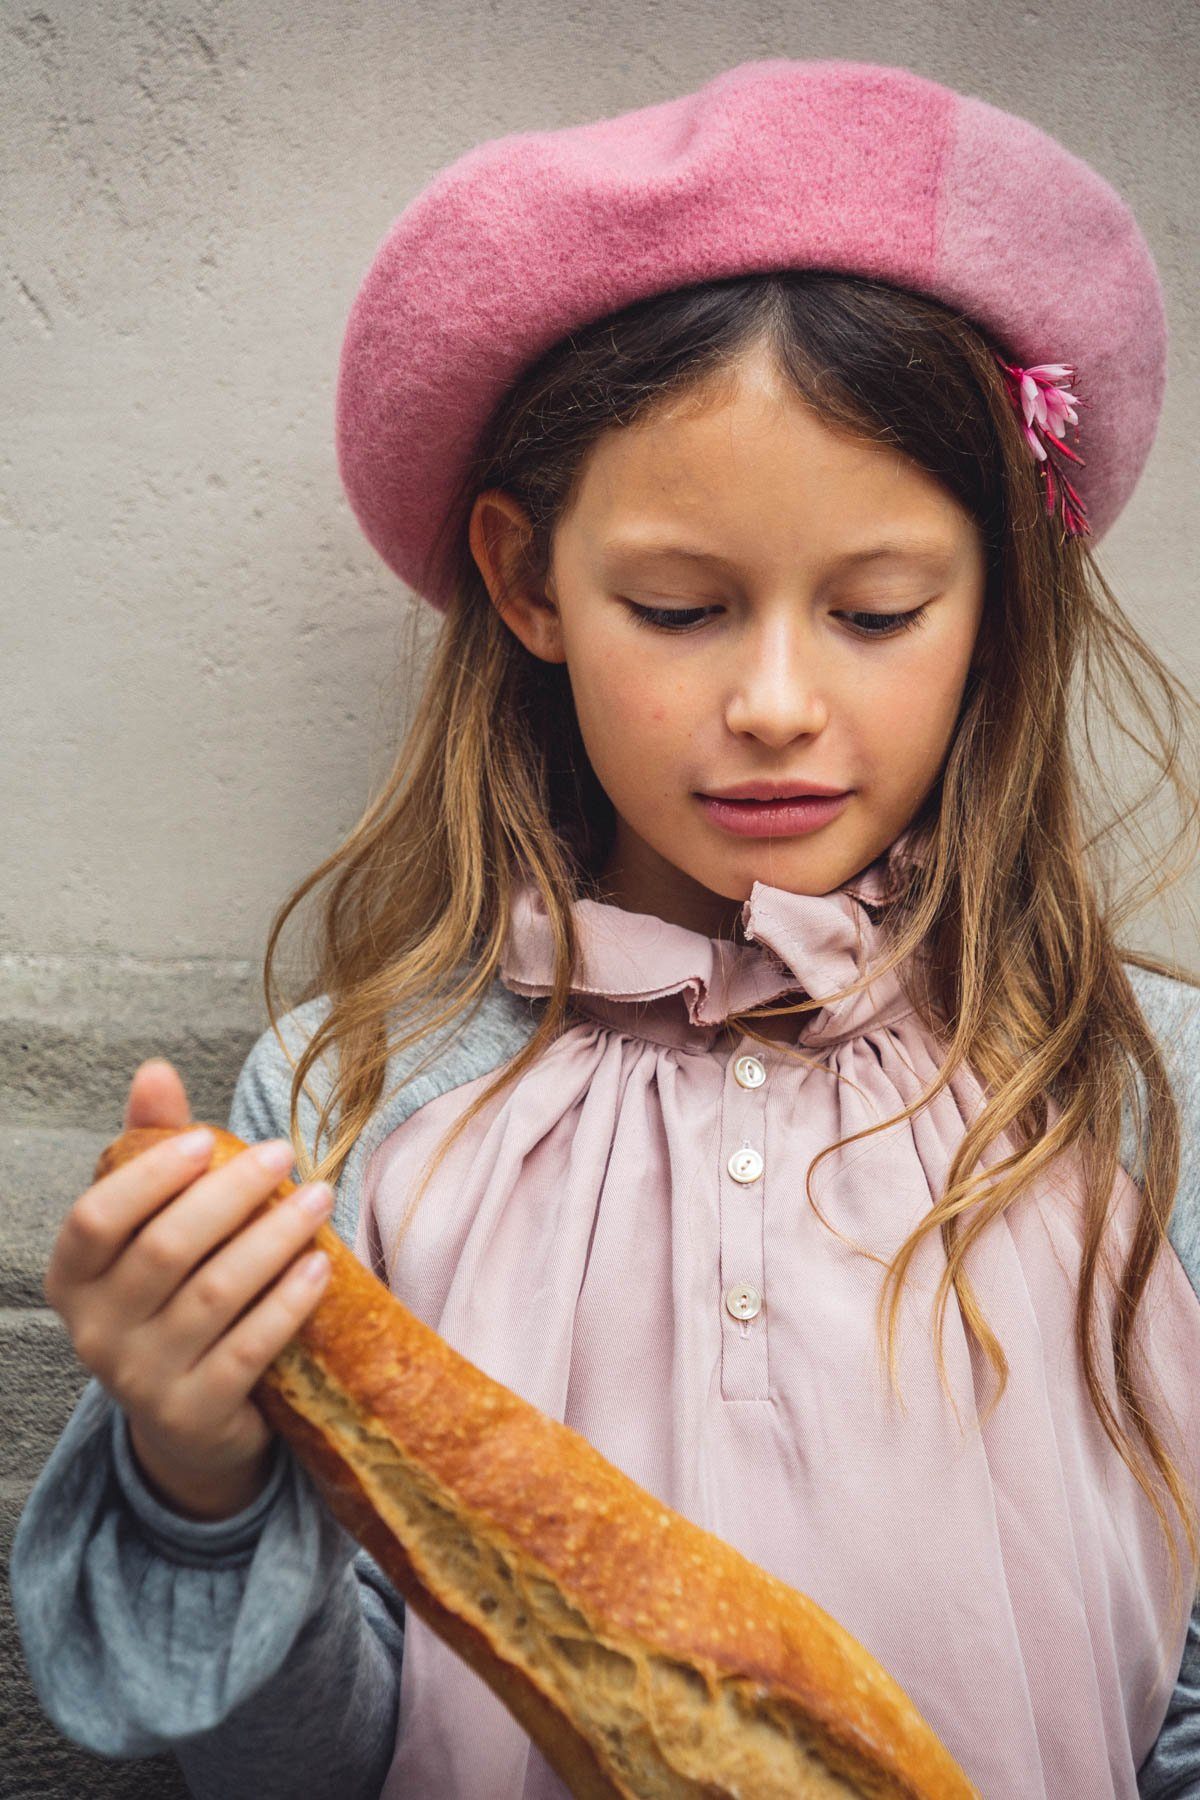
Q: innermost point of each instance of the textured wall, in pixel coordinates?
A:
(207, 667)
(192, 195)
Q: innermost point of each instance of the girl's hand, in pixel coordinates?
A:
(177, 1309)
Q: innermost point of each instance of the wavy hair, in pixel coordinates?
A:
(1013, 915)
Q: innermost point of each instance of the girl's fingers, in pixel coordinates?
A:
(234, 1362)
(164, 1254)
(226, 1287)
(102, 1220)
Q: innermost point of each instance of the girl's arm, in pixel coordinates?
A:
(263, 1651)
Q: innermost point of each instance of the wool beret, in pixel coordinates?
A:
(854, 167)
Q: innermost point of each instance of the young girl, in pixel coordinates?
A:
(720, 1033)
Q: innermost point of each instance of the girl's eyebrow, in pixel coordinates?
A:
(899, 549)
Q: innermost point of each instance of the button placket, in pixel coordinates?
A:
(744, 1365)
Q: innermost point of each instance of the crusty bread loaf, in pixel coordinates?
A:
(644, 1656)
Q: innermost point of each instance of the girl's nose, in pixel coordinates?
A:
(777, 688)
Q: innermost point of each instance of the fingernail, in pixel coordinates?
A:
(317, 1199)
(314, 1268)
(276, 1155)
(193, 1142)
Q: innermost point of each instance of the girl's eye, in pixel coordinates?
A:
(888, 624)
(666, 618)
(868, 624)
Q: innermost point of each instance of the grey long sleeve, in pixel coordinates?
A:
(1172, 1769)
(263, 1651)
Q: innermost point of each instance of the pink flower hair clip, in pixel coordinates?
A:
(1042, 396)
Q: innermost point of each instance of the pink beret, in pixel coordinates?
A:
(848, 166)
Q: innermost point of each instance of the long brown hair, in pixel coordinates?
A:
(1016, 908)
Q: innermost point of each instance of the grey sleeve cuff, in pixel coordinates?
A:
(201, 1540)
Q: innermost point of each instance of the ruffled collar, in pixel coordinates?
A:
(635, 969)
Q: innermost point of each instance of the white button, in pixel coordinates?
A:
(742, 1300)
(748, 1072)
(745, 1165)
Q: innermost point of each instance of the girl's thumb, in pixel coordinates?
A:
(157, 1096)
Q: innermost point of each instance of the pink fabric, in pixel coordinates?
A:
(776, 163)
(577, 1244)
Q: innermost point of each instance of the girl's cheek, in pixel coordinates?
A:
(629, 693)
(628, 697)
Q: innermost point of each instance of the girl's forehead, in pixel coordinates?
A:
(781, 443)
(933, 552)
(705, 515)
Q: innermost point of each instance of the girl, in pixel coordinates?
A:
(720, 1033)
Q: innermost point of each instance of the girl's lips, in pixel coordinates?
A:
(773, 818)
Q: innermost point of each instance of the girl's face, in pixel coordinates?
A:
(785, 544)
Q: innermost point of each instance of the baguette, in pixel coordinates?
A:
(645, 1656)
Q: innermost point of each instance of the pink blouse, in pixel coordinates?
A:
(624, 1239)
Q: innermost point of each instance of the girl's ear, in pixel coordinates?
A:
(499, 534)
